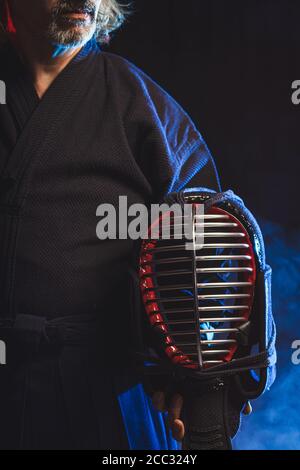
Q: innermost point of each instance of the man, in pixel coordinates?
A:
(79, 128)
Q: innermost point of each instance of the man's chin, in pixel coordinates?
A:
(74, 36)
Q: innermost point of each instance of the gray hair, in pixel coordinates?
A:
(111, 16)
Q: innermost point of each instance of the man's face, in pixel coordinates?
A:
(63, 22)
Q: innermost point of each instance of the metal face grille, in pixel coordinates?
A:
(199, 299)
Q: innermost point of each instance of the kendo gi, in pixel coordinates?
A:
(103, 129)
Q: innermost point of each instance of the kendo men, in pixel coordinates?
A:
(80, 127)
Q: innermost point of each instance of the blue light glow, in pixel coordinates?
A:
(275, 422)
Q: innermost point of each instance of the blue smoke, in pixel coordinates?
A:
(275, 422)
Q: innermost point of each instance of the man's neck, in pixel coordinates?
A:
(44, 61)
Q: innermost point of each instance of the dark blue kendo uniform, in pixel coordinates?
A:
(102, 129)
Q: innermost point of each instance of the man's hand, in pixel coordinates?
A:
(247, 410)
(174, 408)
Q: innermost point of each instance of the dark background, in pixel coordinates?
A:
(231, 64)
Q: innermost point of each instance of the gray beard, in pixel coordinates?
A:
(70, 37)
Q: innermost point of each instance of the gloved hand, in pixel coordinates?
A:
(166, 398)
(173, 404)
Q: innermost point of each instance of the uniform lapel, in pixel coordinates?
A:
(46, 115)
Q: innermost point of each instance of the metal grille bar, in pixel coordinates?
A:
(202, 297)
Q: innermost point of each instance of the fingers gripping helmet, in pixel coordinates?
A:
(207, 324)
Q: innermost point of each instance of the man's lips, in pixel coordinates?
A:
(77, 15)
